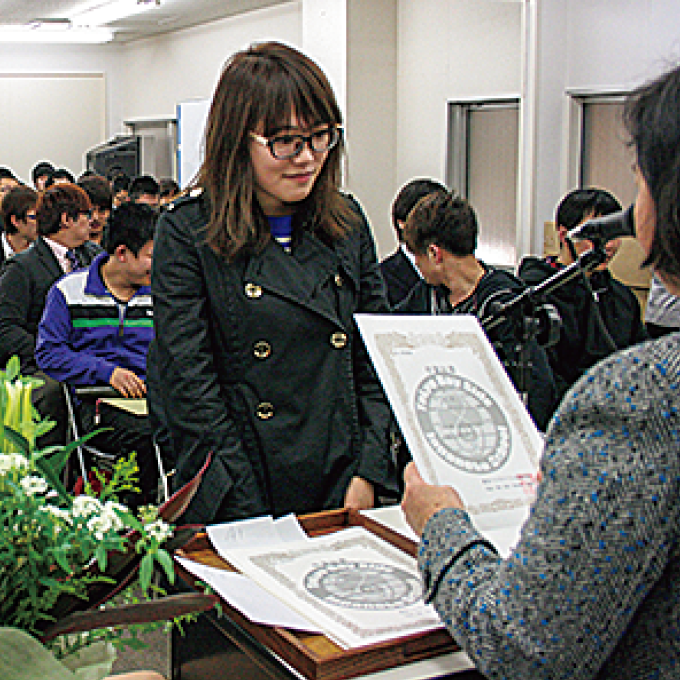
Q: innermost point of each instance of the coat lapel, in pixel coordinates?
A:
(45, 255)
(298, 277)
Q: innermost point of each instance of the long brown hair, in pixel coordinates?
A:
(260, 88)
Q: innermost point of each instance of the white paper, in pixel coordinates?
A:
(462, 419)
(243, 594)
(358, 588)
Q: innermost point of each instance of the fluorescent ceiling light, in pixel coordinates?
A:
(46, 34)
(102, 12)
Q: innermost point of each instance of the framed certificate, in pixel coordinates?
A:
(460, 415)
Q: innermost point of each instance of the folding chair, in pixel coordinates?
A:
(103, 459)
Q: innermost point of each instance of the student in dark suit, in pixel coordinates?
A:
(256, 277)
(399, 270)
(17, 215)
(63, 217)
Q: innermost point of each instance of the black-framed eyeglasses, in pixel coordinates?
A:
(285, 146)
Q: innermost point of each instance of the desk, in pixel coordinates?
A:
(216, 647)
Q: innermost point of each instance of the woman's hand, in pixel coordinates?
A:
(360, 494)
(422, 500)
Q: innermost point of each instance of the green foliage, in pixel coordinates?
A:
(50, 541)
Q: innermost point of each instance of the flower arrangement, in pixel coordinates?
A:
(62, 557)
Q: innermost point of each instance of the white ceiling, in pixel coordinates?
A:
(171, 15)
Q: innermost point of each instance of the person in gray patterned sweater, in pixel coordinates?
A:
(592, 588)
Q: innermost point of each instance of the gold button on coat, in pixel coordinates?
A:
(262, 349)
(253, 290)
(338, 340)
(265, 410)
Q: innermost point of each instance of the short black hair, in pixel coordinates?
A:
(99, 191)
(407, 198)
(17, 202)
(167, 187)
(581, 204)
(120, 182)
(6, 173)
(131, 225)
(143, 184)
(444, 219)
(60, 173)
(41, 169)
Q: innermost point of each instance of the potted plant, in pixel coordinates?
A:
(62, 557)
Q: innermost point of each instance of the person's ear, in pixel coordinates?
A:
(562, 233)
(121, 253)
(434, 253)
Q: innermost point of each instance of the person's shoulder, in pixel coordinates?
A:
(532, 269)
(417, 301)
(190, 205)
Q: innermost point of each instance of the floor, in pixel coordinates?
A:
(154, 657)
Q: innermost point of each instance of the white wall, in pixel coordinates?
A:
(593, 45)
(60, 59)
(162, 72)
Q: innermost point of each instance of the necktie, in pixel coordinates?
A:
(73, 260)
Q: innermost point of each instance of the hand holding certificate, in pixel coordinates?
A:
(459, 413)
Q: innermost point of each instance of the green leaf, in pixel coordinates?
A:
(164, 559)
(146, 572)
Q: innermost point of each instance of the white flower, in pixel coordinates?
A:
(158, 530)
(12, 461)
(33, 485)
(86, 506)
(109, 511)
(99, 525)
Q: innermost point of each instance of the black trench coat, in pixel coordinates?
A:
(259, 362)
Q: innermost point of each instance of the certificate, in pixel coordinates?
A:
(460, 415)
(356, 587)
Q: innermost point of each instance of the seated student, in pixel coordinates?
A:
(101, 197)
(40, 173)
(120, 184)
(441, 232)
(63, 219)
(96, 330)
(169, 190)
(60, 176)
(399, 270)
(599, 314)
(145, 189)
(17, 215)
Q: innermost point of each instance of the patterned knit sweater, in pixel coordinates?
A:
(592, 589)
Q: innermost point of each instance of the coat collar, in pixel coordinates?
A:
(300, 275)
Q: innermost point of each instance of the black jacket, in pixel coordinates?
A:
(24, 282)
(502, 287)
(260, 364)
(399, 275)
(582, 340)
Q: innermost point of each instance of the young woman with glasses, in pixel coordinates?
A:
(257, 274)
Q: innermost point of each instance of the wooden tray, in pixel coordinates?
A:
(316, 656)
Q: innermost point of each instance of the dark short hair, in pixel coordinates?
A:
(6, 173)
(143, 184)
(41, 169)
(99, 191)
(581, 204)
(167, 186)
(57, 200)
(131, 225)
(17, 202)
(652, 118)
(120, 182)
(60, 173)
(444, 219)
(407, 198)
